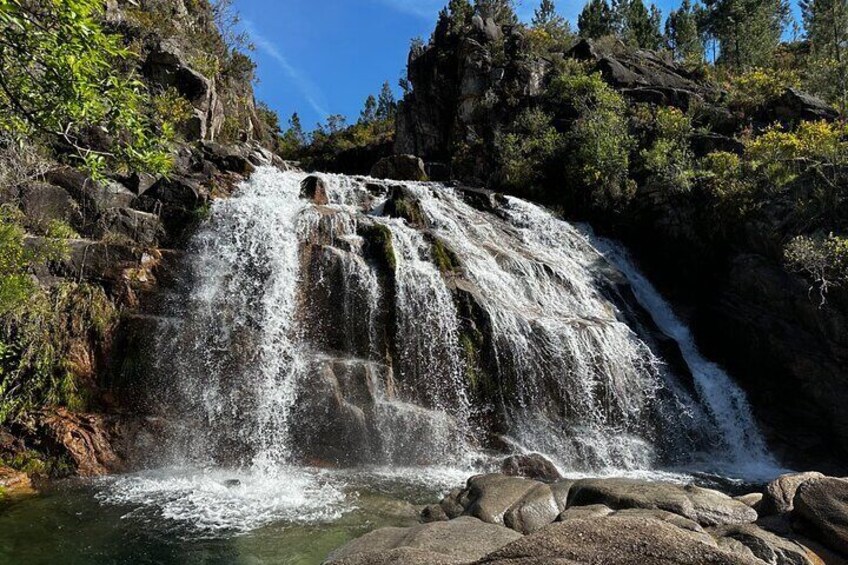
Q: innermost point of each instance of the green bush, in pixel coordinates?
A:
(599, 140)
(669, 160)
(526, 150)
(60, 77)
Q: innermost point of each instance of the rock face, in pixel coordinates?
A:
(82, 437)
(400, 167)
(13, 482)
(822, 506)
(462, 540)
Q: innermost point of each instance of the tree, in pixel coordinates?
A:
(596, 20)
(826, 23)
(747, 31)
(681, 34)
(502, 11)
(636, 25)
(386, 105)
(459, 14)
(545, 14)
(369, 111)
(293, 139)
(59, 79)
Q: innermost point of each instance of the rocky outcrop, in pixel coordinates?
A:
(640, 523)
(400, 167)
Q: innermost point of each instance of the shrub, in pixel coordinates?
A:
(599, 138)
(754, 88)
(823, 259)
(670, 159)
(526, 150)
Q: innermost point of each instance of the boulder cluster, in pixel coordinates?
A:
(798, 519)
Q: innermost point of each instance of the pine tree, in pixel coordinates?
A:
(460, 13)
(748, 31)
(681, 34)
(386, 105)
(502, 11)
(596, 20)
(296, 129)
(545, 14)
(369, 111)
(636, 25)
(826, 23)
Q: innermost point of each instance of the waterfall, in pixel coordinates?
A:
(724, 400)
(340, 335)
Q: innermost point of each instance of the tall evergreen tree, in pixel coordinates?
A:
(596, 20)
(386, 105)
(681, 33)
(826, 23)
(502, 11)
(545, 14)
(369, 111)
(748, 31)
(636, 25)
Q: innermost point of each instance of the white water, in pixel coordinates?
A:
(574, 379)
(746, 451)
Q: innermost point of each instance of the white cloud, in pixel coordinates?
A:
(308, 89)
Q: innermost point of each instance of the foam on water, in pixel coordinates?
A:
(202, 505)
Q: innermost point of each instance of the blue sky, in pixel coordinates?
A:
(320, 57)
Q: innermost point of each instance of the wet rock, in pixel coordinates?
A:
(13, 482)
(538, 508)
(313, 188)
(400, 167)
(461, 540)
(779, 494)
(140, 183)
(766, 546)
(92, 197)
(670, 517)
(704, 506)
(232, 483)
(530, 466)
(615, 539)
(490, 496)
(821, 507)
(83, 438)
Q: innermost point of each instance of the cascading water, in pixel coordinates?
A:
(338, 335)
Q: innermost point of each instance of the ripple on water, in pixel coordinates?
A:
(200, 504)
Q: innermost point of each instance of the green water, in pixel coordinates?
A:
(69, 523)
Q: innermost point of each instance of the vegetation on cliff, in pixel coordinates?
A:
(106, 109)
